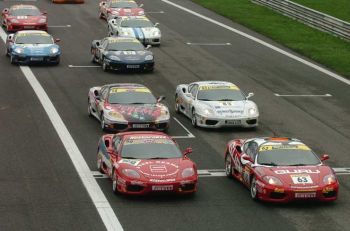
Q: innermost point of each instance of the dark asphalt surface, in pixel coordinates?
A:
(40, 190)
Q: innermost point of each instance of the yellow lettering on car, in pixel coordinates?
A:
(281, 147)
(220, 87)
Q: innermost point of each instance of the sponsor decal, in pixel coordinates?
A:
(139, 89)
(30, 34)
(162, 180)
(218, 87)
(296, 171)
(301, 179)
(148, 141)
(281, 147)
(158, 168)
(129, 161)
(155, 173)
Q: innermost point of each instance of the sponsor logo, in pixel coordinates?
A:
(158, 168)
(295, 171)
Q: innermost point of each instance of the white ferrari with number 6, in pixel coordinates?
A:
(216, 104)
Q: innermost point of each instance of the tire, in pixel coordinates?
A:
(100, 15)
(104, 66)
(114, 183)
(103, 125)
(177, 105)
(93, 58)
(99, 165)
(253, 191)
(7, 52)
(228, 166)
(194, 119)
(12, 60)
(89, 108)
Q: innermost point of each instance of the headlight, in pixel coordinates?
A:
(131, 173)
(113, 57)
(187, 172)
(18, 50)
(252, 111)
(156, 33)
(272, 180)
(164, 115)
(141, 12)
(115, 115)
(14, 20)
(42, 20)
(116, 13)
(329, 179)
(125, 33)
(149, 57)
(54, 50)
(208, 112)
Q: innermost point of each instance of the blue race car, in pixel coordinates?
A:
(33, 46)
(119, 53)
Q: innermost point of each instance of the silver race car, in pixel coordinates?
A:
(139, 27)
(216, 104)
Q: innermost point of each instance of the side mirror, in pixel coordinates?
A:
(107, 143)
(113, 21)
(5, 11)
(44, 13)
(189, 95)
(156, 24)
(184, 90)
(97, 43)
(248, 158)
(148, 47)
(10, 37)
(160, 98)
(251, 94)
(239, 149)
(102, 3)
(187, 151)
(57, 40)
(324, 157)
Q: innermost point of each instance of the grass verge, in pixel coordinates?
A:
(319, 46)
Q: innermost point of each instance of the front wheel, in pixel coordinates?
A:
(99, 164)
(12, 60)
(253, 190)
(104, 66)
(103, 123)
(177, 104)
(228, 166)
(114, 182)
(194, 118)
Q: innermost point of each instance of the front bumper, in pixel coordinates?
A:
(138, 187)
(158, 125)
(129, 66)
(19, 26)
(28, 59)
(283, 195)
(218, 122)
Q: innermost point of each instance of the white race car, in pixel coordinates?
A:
(139, 27)
(216, 104)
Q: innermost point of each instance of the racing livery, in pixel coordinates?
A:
(139, 27)
(23, 17)
(280, 170)
(145, 162)
(116, 53)
(216, 104)
(116, 8)
(32, 46)
(125, 106)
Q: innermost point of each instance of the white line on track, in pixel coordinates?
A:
(325, 95)
(155, 12)
(64, 26)
(312, 65)
(101, 203)
(208, 44)
(73, 66)
(189, 134)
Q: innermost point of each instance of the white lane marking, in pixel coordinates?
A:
(342, 171)
(64, 26)
(208, 44)
(189, 134)
(312, 65)
(73, 66)
(155, 12)
(325, 95)
(101, 203)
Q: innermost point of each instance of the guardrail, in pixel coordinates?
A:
(309, 16)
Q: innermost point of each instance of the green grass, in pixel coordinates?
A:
(319, 46)
(336, 8)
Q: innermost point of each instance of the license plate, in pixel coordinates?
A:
(28, 27)
(233, 122)
(140, 125)
(162, 188)
(305, 195)
(132, 66)
(36, 59)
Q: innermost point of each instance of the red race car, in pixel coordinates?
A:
(115, 8)
(144, 162)
(280, 170)
(24, 17)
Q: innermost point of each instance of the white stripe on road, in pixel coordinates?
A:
(73, 66)
(101, 203)
(64, 26)
(312, 65)
(208, 44)
(325, 95)
(155, 12)
(189, 134)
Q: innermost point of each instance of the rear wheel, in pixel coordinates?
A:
(114, 182)
(228, 166)
(253, 190)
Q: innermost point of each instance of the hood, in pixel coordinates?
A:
(28, 19)
(141, 33)
(130, 55)
(36, 49)
(227, 108)
(298, 176)
(127, 11)
(141, 113)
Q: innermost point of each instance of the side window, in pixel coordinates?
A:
(117, 142)
(251, 149)
(104, 92)
(104, 44)
(194, 90)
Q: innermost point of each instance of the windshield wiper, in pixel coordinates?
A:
(155, 158)
(226, 100)
(205, 99)
(129, 157)
(271, 164)
(297, 164)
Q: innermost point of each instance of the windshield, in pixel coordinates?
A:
(131, 96)
(25, 12)
(125, 46)
(223, 93)
(287, 155)
(34, 39)
(123, 5)
(150, 148)
(136, 23)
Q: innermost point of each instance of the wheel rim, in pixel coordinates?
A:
(228, 166)
(114, 185)
(253, 189)
(194, 120)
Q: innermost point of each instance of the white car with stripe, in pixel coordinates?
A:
(139, 27)
(215, 104)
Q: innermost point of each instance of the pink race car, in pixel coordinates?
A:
(115, 8)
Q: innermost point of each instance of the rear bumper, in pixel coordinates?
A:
(123, 66)
(246, 122)
(17, 27)
(159, 126)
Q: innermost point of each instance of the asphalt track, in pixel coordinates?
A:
(40, 189)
